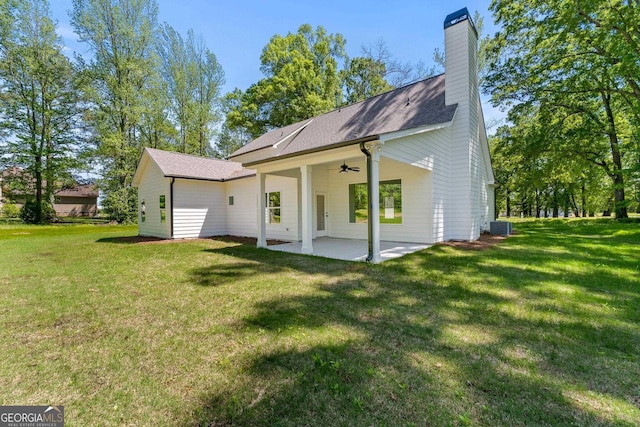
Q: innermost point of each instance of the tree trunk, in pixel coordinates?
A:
(620, 205)
(607, 212)
(38, 178)
(583, 196)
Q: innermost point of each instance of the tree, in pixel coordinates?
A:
(301, 81)
(363, 78)
(193, 79)
(208, 78)
(560, 60)
(394, 73)
(121, 34)
(176, 75)
(156, 127)
(537, 170)
(229, 140)
(565, 62)
(40, 104)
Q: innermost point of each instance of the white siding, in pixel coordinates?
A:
(433, 147)
(288, 227)
(416, 224)
(241, 216)
(152, 185)
(462, 208)
(199, 209)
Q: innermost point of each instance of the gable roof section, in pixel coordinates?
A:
(17, 173)
(177, 165)
(86, 190)
(415, 105)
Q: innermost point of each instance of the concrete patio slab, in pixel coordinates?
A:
(351, 249)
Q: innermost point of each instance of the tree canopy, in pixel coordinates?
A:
(573, 60)
(41, 104)
(309, 73)
(301, 80)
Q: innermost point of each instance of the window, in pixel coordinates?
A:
(390, 202)
(273, 208)
(163, 213)
(143, 213)
(230, 200)
(58, 199)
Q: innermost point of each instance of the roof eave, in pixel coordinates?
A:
(268, 147)
(194, 178)
(312, 150)
(414, 131)
(137, 175)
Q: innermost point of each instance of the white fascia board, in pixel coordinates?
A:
(142, 165)
(484, 144)
(295, 132)
(414, 131)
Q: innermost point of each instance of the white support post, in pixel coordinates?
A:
(375, 203)
(307, 209)
(262, 208)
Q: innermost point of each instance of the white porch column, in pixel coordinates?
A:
(262, 207)
(375, 203)
(307, 209)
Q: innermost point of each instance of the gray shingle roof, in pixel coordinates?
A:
(419, 104)
(87, 190)
(179, 165)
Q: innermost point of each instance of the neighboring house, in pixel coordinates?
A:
(79, 200)
(422, 150)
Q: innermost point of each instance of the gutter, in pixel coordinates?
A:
(193, 178)
(369, 206)
(173, 180)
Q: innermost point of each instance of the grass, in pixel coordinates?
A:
(542, 329)
(361, 216)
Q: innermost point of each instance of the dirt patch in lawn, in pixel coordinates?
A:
(485, 241)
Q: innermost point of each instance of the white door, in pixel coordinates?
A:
(322, 215)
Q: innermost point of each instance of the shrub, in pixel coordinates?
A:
(10, 210)
(29, 212)
(121, 205)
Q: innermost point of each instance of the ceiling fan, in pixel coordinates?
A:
(344, 168)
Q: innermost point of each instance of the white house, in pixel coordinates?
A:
(182, 196)
(409, 165)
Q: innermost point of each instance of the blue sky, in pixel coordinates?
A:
(237, 30)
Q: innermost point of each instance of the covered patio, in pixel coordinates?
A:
(351, 249)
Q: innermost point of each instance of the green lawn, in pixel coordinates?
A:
(542, 329)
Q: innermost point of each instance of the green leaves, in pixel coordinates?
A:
(308, 73)
(574, 61)
(40, 104)
(193, 79)
(301, 81)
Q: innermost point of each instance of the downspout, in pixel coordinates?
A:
(369, 206)
(171, 204)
